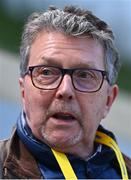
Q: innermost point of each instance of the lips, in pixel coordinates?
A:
(64, 116)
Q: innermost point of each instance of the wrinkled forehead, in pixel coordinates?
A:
(54, 47)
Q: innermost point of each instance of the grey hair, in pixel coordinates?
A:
(71, 21)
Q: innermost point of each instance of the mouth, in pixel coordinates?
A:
(64, 116)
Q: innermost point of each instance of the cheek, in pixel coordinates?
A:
(36, 104)
(93, 108)
(99, 106)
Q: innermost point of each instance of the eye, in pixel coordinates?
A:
(82, 74)
(85, 74)
(46, 71)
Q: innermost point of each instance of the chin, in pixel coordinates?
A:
(60, 141)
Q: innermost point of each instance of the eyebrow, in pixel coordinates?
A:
(53, 61)
(50, 61)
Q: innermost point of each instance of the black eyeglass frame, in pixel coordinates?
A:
(69, 72)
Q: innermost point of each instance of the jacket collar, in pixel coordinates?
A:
(15, 164)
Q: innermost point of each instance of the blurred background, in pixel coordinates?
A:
(13, 14)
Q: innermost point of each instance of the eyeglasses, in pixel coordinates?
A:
(50, 77)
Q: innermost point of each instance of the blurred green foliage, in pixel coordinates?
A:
(10, 36)
(10, 33)
(124, 80)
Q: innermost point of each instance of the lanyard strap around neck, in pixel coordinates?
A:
(108, 141)
(65, 165)
(101, 138)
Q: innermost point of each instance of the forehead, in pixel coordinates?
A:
(54, 47)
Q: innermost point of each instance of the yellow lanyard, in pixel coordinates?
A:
(102, 138)
(108, 141)
(65, 165)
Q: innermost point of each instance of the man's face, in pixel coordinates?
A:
(65, 118)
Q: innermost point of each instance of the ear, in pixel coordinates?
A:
(112, 94)
(22, 91)
(21, 84)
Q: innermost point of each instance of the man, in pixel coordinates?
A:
(69, 66)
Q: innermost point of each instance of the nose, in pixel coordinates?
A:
(66, 90)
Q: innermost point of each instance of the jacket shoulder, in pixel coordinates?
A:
(128, 164)
(4, 146)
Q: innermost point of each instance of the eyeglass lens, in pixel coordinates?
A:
(51, 77)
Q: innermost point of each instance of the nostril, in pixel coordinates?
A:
(64, 96)
(60, 96)
(70, 97)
